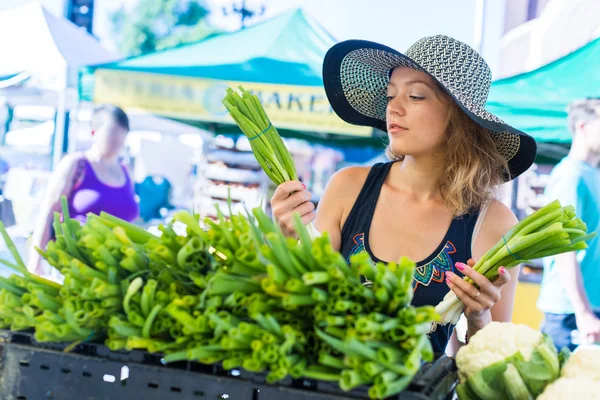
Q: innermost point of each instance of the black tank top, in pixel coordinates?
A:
(429, 283)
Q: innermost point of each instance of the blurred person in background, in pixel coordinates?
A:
(570, 291)
(92, 181)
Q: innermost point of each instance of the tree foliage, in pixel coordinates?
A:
(154, 25)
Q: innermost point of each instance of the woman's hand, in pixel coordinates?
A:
(478, 302)
(588, 325)
(290, 198)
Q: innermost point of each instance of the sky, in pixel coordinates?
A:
(396, 23)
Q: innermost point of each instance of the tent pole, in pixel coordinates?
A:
(7, 122)
(61, 125)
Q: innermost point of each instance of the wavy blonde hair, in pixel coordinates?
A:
(473, 165)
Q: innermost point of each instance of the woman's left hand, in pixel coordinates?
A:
(478, 301)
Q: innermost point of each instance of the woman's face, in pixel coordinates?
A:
(109, 138)
(417, 113)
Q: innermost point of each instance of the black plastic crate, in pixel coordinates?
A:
(32, 374)
(85, 348)
(31, 371)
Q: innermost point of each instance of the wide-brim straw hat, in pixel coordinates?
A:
(356, 74)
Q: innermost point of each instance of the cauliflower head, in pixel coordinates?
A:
(496, 342)
(583, 363)
(506, 361)
(568, 388)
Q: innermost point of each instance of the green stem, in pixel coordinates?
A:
(321, 373)
(136, 233)
(20, 267)
(150, 320)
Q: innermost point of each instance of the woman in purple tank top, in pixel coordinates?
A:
(93, 181)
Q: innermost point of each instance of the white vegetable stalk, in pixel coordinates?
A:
(267, 146)
(449, 309)
(312, 231)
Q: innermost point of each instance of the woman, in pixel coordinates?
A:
(434, 201)
(93, 181)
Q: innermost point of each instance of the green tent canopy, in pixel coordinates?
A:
(535, 102)
(287, 49)
(279, 59)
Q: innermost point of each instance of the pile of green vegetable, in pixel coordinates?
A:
(100, 262)
(234, 291)
(24, 297)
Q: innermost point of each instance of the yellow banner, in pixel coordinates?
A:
(302, 108)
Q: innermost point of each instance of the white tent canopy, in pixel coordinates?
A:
(50, 49)
(35, 41)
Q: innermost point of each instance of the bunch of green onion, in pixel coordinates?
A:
(267, 146)
(24, 297)
(266, 143)
(549, 231)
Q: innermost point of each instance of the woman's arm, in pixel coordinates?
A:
(497, 222)
(337, 200)
(493, 301)
(335, 204)
(60, 183)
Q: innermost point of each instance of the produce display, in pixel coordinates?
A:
(549, 231)
(238, 292)
(234, 291)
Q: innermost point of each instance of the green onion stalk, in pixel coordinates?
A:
(266, 143)
(549, 231)
(24, 296)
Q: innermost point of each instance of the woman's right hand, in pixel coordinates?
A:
(290, 198)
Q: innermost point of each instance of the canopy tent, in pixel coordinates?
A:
(42, 53)
(13, 79)
(535, 102)
(279, 59)
(35, 41)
